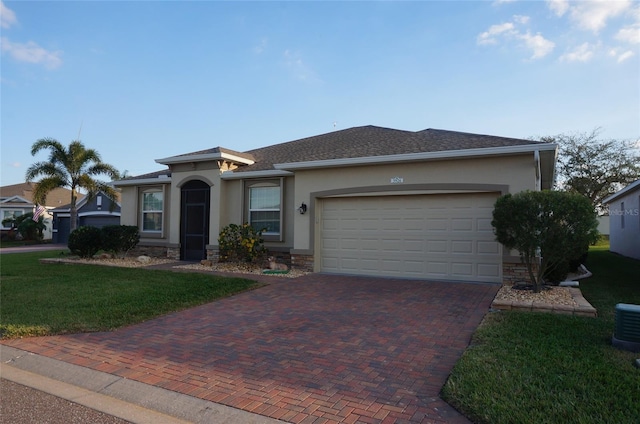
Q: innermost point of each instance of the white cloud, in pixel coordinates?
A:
(7, 16)
(489, 36)
(624, 56)
(540, 45)
(629, 34)
(582, 53)
(559, 7)
(30, 52)
(593, 15)
(508, 31)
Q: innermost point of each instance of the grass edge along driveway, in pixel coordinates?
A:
(44, 299)
(524, 367)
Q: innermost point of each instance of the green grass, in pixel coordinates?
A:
(44, 299)
(546, 368)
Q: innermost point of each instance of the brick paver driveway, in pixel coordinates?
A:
(315, 349)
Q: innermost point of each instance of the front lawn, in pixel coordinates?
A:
(38, 299)
(543, 368)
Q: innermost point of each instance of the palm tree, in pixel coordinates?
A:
(72, 168)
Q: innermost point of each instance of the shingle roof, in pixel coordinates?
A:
(55, 198)
(357, 142)
(370, 141)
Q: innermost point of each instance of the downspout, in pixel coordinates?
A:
(536, 158)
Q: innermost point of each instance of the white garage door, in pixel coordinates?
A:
(437, 236)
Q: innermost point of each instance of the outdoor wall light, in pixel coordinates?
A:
(303, 208)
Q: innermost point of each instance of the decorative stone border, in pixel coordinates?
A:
(584, 308)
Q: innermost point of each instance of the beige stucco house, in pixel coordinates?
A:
(364, 200)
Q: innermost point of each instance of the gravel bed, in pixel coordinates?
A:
(549, 295)
(240, 268)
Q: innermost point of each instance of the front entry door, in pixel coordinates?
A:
(194, 228)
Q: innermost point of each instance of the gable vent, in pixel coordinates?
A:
(627, 327)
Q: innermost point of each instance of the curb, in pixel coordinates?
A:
(130, 400)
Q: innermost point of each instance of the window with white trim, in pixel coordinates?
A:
(8, 214)
(264, 208)
(152, 201)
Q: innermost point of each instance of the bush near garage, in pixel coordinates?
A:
(241, 243)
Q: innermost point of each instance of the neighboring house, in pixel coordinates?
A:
(364, 201)
(97, 212)
(17, 199)
(624, 221)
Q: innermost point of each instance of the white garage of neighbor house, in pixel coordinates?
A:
(624, 221)
(364, 201)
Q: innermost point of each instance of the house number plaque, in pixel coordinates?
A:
(397, 180)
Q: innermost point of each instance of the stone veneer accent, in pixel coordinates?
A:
(302, 262)
(514, 273)
(151, 251)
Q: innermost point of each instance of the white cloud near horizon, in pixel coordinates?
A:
(7, 16)
(31, 52)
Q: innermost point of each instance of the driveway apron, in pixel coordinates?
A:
(319, 348)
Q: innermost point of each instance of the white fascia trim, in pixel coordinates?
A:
(230, 175)
(93, 213)
(622, 192)
(12, 199)
(204, 158)
(145, 181)
(414, 157)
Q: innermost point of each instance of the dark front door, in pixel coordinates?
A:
(194, 228)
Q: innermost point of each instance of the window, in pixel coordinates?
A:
(263, 201)
(264, 209)
(8, 214)
(152, 203)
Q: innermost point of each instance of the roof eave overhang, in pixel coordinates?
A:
(271, 173)
(165, 179)
(421, 157)
(205, 158)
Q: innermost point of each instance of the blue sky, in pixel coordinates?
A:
(144, 80)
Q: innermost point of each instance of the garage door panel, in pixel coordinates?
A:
(488, 248)
(426, 236)
(462, 246)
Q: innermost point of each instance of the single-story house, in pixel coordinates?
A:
(17, 200)
(97, 212)
(624, 221)
(364, 201)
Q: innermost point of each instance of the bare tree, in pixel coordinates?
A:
(594, 167)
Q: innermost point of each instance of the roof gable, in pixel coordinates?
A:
(56, 197)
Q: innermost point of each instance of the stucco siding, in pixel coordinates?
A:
(517, 173)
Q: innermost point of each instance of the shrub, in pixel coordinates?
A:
(85, 241)
(552, 224)
(119, 239)
(26, 226)
(240, 243)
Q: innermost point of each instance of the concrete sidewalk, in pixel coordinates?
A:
(128, 400)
